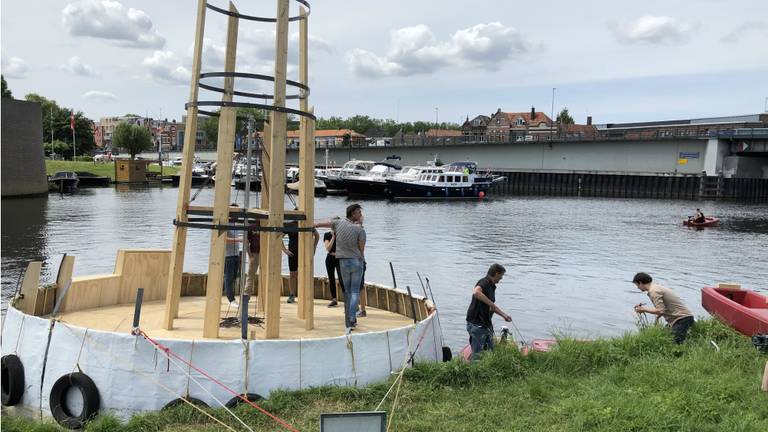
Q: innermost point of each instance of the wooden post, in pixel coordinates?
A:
(173, 290)
(764, 387)
(226, 138)
(306, 188)
(264, 205)
(277, 177)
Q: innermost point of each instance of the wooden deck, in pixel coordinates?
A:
(329, 322)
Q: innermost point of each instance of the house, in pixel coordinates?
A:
(474, 130)
(516, 126)
(329, 138)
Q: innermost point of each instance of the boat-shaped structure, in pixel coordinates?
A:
(65, 181)
(709, 222)
(744, 310)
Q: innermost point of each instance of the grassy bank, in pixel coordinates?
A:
(639, 382)
(101, 169)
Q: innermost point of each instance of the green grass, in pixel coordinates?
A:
(638, 382)
(105, 169)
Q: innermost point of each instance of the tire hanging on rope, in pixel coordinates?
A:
(12, 379)
(58, 399)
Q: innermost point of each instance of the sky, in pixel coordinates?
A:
(406, 60)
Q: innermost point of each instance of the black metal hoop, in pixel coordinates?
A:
(304, 89)
(259, 19)
(224, 104)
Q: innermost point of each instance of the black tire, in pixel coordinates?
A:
(179, 401)
(91, 400)
(235, 401)
(447, 354)
(12, 379)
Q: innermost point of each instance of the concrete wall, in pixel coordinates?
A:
(600, 156)
(21, 143)
(745, 167)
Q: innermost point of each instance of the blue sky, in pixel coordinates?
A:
(615, 61)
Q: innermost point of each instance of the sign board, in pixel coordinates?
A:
(365, 421)
(682, 161)
(689, 155)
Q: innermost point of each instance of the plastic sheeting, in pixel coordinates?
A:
(131, 374)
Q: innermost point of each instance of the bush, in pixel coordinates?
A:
(84, 158)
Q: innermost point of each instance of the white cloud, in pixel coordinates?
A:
(107, 19)
(99, 96)
(653, 30)
(76, 66)
(165, 67)
(14, 67)
(748, 27)
(415, 50)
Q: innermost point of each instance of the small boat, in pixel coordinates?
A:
(320, 188)
(88, 179)
(538, 345)
(374, 182)
(709, 222)
(458, 180)
(744, 310)
(65, 181)
(197, 179)
(332, 179)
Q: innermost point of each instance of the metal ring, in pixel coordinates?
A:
(303, 94)
(259, 19)
(224, 104)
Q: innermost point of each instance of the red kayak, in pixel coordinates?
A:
(710, 221)
(744, 310)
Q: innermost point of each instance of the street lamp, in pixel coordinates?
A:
(437, 123)
(552, 111)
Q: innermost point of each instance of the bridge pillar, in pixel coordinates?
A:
(713, 156)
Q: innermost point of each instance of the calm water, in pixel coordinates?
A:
(569, 260)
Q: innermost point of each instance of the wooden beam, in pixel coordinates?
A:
(226, 139)
(277, 176)
(306, 186)
(179, 244)
(252, 212)
(29, 286)
(264, 208)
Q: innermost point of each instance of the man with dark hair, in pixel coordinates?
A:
(667, 304)
(481, 310)
(350, 251)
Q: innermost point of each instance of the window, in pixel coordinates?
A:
(442, 179)
(464, 179)
(520, 122)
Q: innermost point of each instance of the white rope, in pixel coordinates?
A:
(148, 377)
(18, 336)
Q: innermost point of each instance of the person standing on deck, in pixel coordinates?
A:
(293, 258)
(332, 266)
(667, 304)
(254, 247)
(481, 310)
(231, 264)
(350, 251)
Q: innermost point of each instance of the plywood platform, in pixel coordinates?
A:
(329, 322)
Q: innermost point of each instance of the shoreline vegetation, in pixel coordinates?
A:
(640, 381)
(99, 169)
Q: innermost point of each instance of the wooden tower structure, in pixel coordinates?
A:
(271, 213)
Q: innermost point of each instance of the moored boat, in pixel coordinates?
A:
(709, 222)
(373, 183)
(65, 181)
(744, 310)
(458, 180)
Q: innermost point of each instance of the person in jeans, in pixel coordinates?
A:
(667, 304)
(254, 247)
(350, 251)
(332, 266)
(231, 264)
(481, 310)
(292, 251)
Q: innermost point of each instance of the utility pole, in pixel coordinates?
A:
(552, 112)
(74, 144)
(52, 150)
(437, 123)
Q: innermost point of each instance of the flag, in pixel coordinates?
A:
(72, 120)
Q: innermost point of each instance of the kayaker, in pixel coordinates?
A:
(699, 217)
(667, 304)
(481, 310)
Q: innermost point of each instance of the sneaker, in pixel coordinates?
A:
(362, 313)
(291, 299)
(333, 303)
(349, 330)
(233, 304)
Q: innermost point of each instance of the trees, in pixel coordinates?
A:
(210, 126)
(564, 117)
(132, 138)
(6, 90)
(57, 118)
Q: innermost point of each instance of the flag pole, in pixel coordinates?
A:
(72, 126)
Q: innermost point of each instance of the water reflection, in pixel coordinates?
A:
(569, 260)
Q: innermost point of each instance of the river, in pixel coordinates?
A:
(569, 260)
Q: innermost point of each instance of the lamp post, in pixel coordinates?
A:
(437, 122)
(552, 112)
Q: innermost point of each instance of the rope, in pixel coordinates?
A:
(394, 404)
(18, 337)
(217, 382)
(77, 363)
(149, 377)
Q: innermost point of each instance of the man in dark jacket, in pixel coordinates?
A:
(481, 310)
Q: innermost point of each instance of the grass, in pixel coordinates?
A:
(637, 382)
(102, 169)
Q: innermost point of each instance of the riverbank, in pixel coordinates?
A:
(640, 381)
(99, 169)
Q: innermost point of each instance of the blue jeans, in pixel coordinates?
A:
(352, 275)
(231, 269)
(480, 339)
